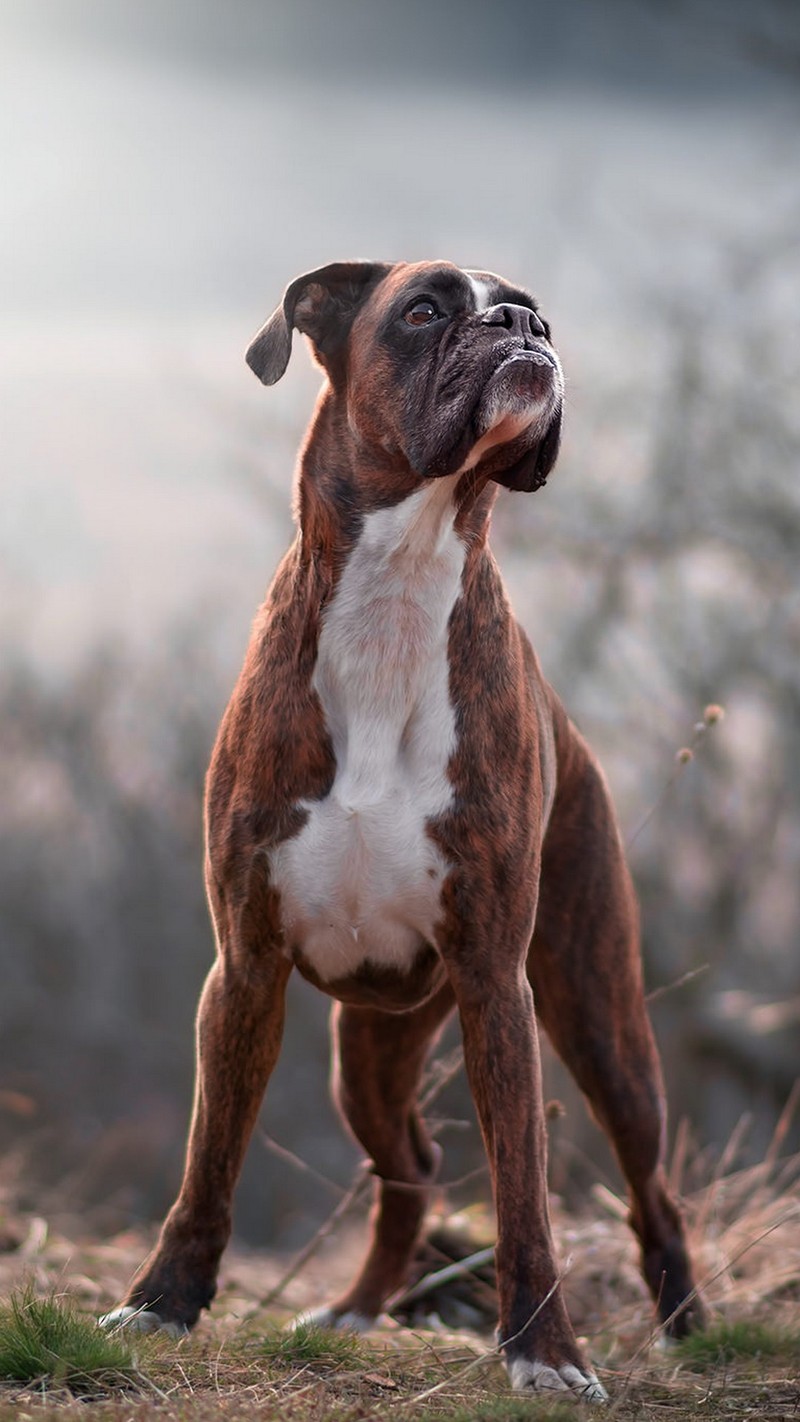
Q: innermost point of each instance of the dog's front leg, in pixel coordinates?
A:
(502, 1058)
(239, 1030)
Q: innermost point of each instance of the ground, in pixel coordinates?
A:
(745, 1228)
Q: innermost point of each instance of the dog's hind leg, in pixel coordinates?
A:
(585, 970)
(378, 1060)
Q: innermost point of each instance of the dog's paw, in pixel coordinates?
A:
(142, 1320)
(528, 1376)
(665, 1344)
(327, 1317)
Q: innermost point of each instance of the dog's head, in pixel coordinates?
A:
(445, 368)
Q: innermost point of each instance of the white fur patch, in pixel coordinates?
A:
(483, 293)
(324, 1317)
(527, 1375)
(361, 882)
(506, 426)
(141, 1320)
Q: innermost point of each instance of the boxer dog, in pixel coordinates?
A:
(399, 808)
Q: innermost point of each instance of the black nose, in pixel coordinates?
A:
(519, 320)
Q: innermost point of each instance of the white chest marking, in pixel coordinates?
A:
(361, 882)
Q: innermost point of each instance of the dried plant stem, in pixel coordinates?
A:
(678, 983)
(349, 1199)
(429, 1282)
(680, 1151)
(297, 1161)
(657, 1332)
(782, 1127)
(711, 717)
(722, 1170)
(439, 1075)
(492, 1354)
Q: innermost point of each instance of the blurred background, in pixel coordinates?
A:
(167, 169)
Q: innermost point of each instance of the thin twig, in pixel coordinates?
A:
(429, 1282)
(348, 1200)
(437, 1124)
(722, 1170)
(710, 1279)
(685, 756)
(429, 1346)
(441, 1073)
(659, 800)
(426, 1186)
(787, 1176)
(492, 1354)
(679, 1153)
(678, 983)
(297, 1161)
(783, 1124)
(463, 1179)
(187, 1380)
(148, 1381)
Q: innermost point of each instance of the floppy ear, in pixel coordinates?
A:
(321, 304)
(531, 471)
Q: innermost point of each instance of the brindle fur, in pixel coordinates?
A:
(574, 954)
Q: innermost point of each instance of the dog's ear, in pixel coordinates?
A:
(321, 304)
(531, 471)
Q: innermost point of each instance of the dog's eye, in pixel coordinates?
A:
(421, 313)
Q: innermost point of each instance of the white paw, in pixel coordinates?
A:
(665, 1343)
(326, 1318)
(526, 1376)
(142, 1320)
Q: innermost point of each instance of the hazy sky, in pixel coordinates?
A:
(169, 167)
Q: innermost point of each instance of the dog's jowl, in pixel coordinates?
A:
(399, 808)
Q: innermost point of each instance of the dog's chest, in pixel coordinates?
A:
(361, 882)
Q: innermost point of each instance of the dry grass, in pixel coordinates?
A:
(745, 1228)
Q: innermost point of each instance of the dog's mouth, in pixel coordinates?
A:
(524, 382)
(536, 355)
(488, 396)
(536, 369)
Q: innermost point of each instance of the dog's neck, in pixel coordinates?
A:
(336, 494)
(382, 670)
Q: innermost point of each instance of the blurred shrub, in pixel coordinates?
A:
(106, 941)
(659, 574)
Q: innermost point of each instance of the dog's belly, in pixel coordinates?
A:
(359, 885)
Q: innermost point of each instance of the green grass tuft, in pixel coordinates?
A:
(308, 1343)
(47, 1341)
(726, 1342)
